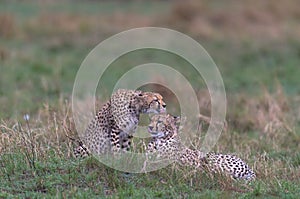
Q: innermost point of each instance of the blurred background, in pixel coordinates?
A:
(254, 43)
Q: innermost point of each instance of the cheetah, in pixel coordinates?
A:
(163, 129)
(166, 143)
(113, 126)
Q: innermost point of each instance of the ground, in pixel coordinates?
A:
(255, 45)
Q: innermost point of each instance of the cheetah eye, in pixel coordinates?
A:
(155, 101)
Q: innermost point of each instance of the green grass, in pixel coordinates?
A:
(45, 60)
(68, 177)
(42, 47)
(31, 8)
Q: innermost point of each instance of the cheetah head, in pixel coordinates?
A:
(164, 126)
(152, 102)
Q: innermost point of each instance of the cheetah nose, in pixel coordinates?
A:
(150, 128)
(164, 105)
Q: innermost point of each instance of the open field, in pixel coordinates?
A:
(255, 45)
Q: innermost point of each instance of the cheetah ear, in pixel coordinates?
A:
(180, 120)
(139, 93)
(177, 119)
(140, 97)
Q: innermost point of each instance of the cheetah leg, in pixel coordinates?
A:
(120, 141)
(121, 137)
(115, 141)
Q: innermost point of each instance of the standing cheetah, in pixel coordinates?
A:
(165, 141)
(112, 128)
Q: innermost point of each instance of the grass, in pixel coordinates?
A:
(38, 65)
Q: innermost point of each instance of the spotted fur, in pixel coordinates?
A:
(166, 143)
(113, 127)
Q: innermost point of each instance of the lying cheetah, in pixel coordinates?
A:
(165, 141)
(112, 128)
